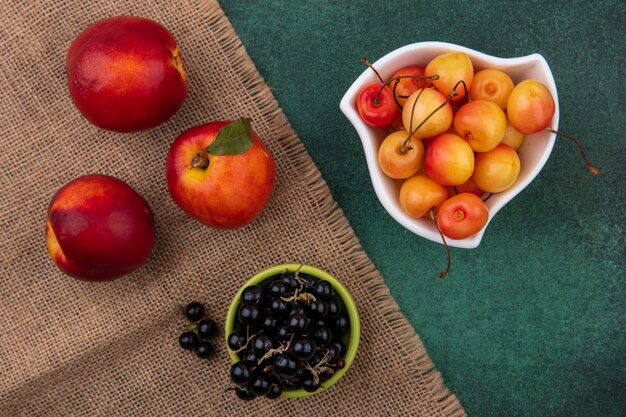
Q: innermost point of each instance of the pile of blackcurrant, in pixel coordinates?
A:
(198, 331)
(289, 334)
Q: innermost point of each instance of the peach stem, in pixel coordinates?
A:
(200, 160)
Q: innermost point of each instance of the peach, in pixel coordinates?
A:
(223, 191)
(98, 228)
(125, 74)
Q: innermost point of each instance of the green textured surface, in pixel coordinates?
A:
(532, 322)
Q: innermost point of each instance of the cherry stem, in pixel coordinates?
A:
(452, 94)
(366, 62)
(442, 274)
(464, 88)
(594, 171)
(398, 78)
(393, 92)
(405, 145)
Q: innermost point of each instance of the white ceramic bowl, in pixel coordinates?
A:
(533, 153)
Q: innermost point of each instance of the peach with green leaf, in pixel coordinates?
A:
(220, 173)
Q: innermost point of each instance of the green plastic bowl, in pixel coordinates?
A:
(350, 339)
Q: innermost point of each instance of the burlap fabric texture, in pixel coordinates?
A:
(69, 347)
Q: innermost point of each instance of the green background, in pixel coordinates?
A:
(532, 322)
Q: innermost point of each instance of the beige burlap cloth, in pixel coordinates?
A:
(69, 347)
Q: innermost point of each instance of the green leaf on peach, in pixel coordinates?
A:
(233, 139)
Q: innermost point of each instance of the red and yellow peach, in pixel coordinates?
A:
(223, 191)
(98, 228)
(125, 74)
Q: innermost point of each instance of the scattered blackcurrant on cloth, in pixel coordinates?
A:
(289, 334)
(188, 340)
(206, 329)
(198, 331)
(194, 311)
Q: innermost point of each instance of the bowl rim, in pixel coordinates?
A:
(340, 290)
(348, 107)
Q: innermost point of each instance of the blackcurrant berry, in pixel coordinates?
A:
(283, 334)
(297, 322)
(341, 363)
(194, 311)
(333, 353)
(339, 346)
(342, 323)
(188, 340)
(334, 308)
(286, 365)
(302, 373)
(269, 324)
(278, 289)
(318, 308)
(323, 336)
(240, 373)
(309, 384)
(274, 392)
(325, 374)
(251, 294)
(303, 348)
(309, 283)
(262, 345)
(244, 394)
(236, 340)
(323, 289)
(290, 280)
(298, 307)
(206, 328)
(318, 323)
(315, 360)
(249, 314)
(260, 385)
(204, 349)
(279, 307)
(289, 384)
(248, 357)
